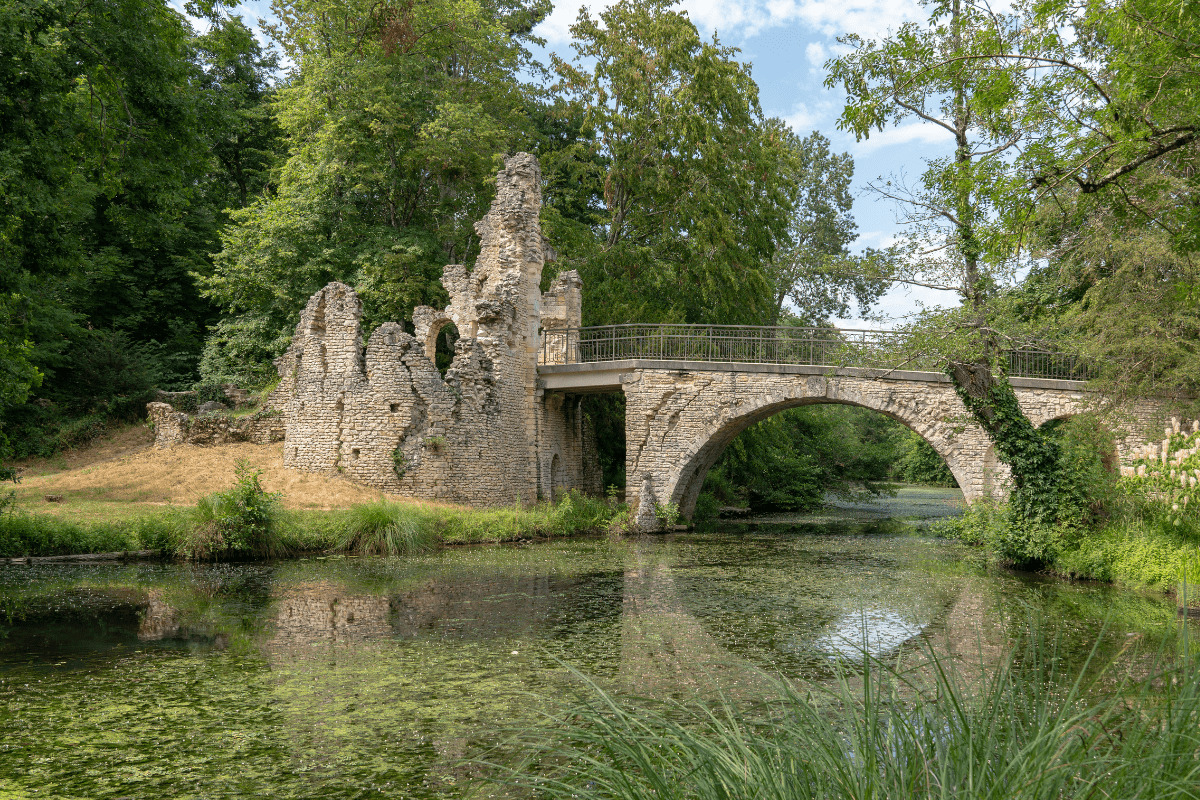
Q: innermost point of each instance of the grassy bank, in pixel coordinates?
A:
(1144, 532)
(1020, 730)
(122, 494)
(361, 529)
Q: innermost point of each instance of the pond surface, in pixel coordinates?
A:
(361, 678)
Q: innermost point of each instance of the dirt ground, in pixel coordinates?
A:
(126, 468)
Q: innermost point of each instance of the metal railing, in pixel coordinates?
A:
(824, 347)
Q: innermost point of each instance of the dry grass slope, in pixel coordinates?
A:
(125, 470)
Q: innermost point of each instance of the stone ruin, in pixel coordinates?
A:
(209, 424)
(484, 434)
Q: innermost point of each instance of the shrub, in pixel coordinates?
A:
(210, 392)
(920, 463)
(1013, 540)
(240, 522)
(708, 507)
(667, 514)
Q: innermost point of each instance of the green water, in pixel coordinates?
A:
(359, 678)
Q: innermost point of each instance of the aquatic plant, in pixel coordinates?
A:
(1019, 731)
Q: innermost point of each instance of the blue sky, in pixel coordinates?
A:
(788, 42)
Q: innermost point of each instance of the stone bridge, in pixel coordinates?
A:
(504, 422)
(681, 414)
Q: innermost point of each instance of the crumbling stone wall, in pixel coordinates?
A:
(482, 434)
(678, 423)
(173, 427)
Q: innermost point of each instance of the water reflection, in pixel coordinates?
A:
(374, 677)
(875, 631)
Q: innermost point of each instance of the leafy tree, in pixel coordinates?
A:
(1114, 109)
(110, 115)
(1053, 95)
(917, 461)
(696, 184)
(236, 83)
(962, 71)
(395, 116)
(813, 269)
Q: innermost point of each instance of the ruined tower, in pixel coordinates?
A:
(482, 434)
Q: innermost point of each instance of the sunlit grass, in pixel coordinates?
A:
(385, 528)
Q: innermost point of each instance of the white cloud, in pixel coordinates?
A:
(556, 28)
(913, 133)
(805, 117)
(738, 19)
(816, 53)
(898, 304)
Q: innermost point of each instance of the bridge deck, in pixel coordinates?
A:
(605, 376)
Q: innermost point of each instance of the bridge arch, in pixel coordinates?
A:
(702, 454)
(678, 424)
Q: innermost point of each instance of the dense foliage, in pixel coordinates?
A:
(793, 460)
(124, 135)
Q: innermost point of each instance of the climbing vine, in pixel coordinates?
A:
(1060, 483)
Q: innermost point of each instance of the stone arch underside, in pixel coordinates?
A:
(678, 424)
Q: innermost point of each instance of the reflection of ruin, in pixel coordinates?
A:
(664, 648)
(320, 612)
(159, 620)
(497, 606)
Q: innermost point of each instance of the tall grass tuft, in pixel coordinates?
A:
(1022, 731)
(387, 529)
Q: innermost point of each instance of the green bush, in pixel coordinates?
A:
(240, 522)
(1013, 540)
(708, 508)
(210, 392)
(918, 462)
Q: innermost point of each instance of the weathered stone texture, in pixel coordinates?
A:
(678, 423)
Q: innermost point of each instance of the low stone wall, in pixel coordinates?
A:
(235, 397)
(173, 427)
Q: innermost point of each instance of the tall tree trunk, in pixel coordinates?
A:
(989, 397)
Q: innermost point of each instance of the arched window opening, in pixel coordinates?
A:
(443, 349)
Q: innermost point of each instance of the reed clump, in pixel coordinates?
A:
(1022, 731)
(392, 529)
(385, 529)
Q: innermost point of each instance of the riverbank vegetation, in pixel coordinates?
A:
(246, 521)
(1138, 527)
(1019, 729)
